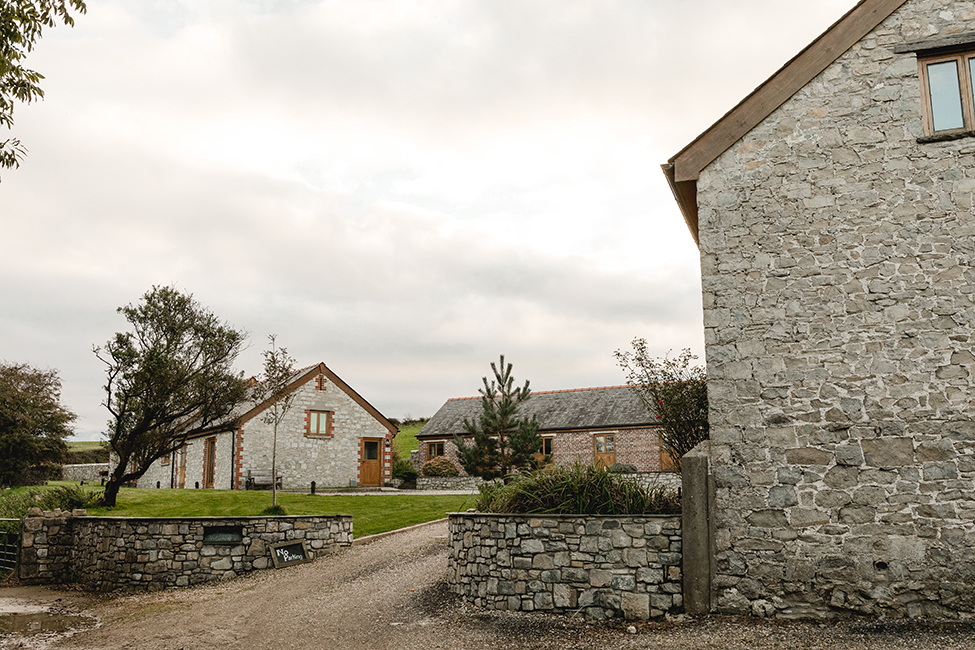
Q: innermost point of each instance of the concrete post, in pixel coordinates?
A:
(697, 490)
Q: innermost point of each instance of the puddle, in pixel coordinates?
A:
(43, 622)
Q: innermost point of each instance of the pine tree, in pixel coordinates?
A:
(502, 441)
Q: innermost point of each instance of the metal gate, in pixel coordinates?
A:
(9, 544)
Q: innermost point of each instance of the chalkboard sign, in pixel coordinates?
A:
(288, 553)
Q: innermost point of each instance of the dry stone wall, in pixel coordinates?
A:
(88, 472)
(838, 268)
(105, 553)
(448, 482)
(602, 567)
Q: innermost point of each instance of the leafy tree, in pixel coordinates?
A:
(275, 385)
(502, 441)
(170, 377)
(21, 23)
(33, 422)
(674, 391)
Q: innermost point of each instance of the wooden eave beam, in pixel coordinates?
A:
(685, 193)
(795, 74)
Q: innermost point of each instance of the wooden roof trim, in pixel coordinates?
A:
(685, 194)
(359, 399)
(602, 428)
(799, 71)
(313, 371)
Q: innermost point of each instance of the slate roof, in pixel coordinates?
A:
(558, 410)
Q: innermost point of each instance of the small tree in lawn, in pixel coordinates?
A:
(675, 393)
(274, 386)
(502, 441)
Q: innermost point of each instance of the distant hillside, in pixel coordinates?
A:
(83, 453)
(405, 441)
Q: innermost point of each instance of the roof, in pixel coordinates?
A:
(559, 410)
(683, 170)
(250, 409)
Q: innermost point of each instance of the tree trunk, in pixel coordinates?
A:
(111, 493)
(274, 464)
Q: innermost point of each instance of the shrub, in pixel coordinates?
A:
(403, 469)
(440, 466)
(621, 468)
(15, 503)
(274, 511)
(577, 490)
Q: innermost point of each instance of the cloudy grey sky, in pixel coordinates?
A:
(401, 189)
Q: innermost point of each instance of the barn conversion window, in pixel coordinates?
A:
(318, 423)
(435, 449)
(946, 66)
(947, 85)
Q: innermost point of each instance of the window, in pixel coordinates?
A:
(318, 423)
(164, 460)
(434, 449)
(946, 90)
(946, 65)
(547, 446)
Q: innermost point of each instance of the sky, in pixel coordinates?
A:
(402, 189)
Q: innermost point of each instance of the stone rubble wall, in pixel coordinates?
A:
(838, 268)
(448, 482)
(601, 566)
(88, 472)
(105, 553)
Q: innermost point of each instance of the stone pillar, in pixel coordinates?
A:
(697, 502)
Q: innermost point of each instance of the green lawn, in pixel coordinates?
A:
(372, 513)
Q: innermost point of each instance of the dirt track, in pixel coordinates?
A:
(391, 595)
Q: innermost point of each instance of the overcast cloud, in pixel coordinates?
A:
(402, 190)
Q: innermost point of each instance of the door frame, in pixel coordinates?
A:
(379, 460)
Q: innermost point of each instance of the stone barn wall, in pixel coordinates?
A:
(838, 266)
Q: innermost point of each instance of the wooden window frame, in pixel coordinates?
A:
(965, 88)
(314, 416)
(441, 447)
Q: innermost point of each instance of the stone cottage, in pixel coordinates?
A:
(586, 425)
(833, 212)
(331, 435)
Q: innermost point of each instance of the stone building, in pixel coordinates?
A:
(833, 212)
(587, 425)
(331, 435)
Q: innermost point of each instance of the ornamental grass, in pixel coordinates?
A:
(577, 490)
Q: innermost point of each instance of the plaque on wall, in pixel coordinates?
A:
(288, 553)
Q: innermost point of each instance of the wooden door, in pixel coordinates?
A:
(604, 449)
(181, 481)
(667, 462)
(209, 461)
(371, 468)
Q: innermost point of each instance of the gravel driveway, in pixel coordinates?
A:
(391, 595)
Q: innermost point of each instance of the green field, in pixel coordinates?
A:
(78, 445)
(405, 441)
(371, 513)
